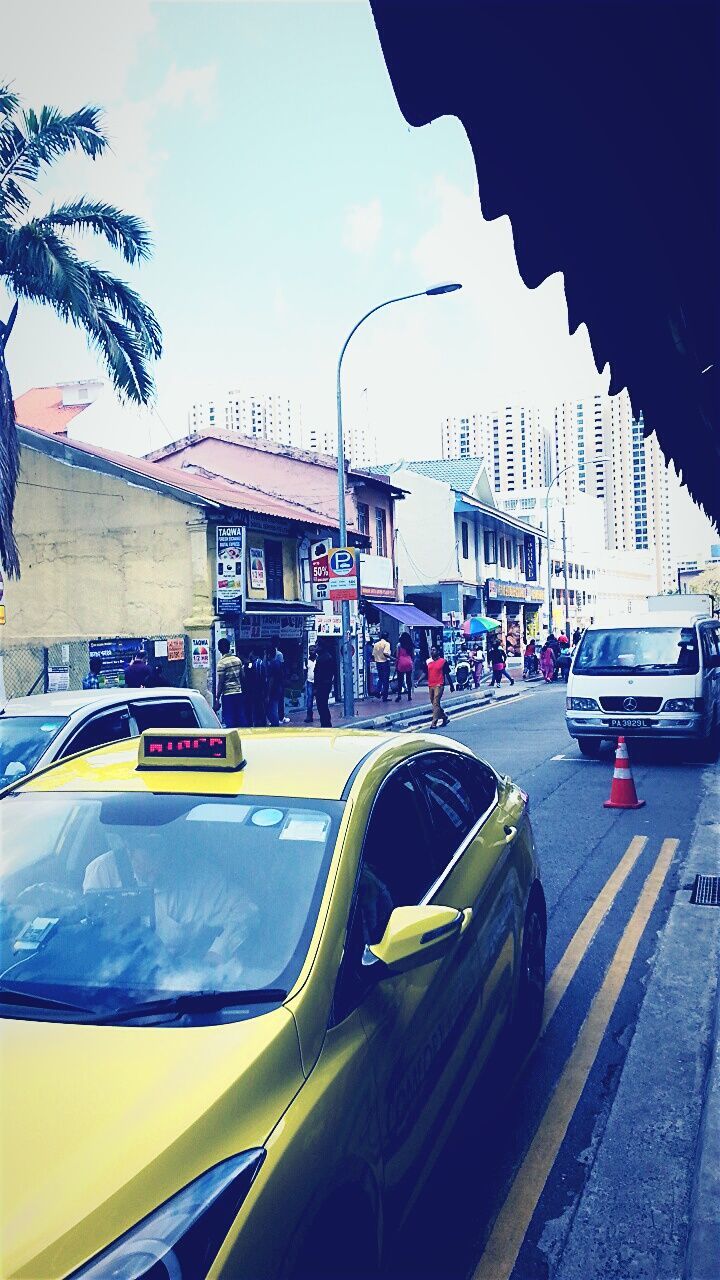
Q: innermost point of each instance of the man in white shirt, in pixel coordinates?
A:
(196, 911)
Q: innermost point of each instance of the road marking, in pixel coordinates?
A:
(492, 706)
(568, 965)
(512, 1223)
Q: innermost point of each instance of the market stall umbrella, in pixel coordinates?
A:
(477, 625)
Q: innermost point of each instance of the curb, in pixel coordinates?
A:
(412, 716)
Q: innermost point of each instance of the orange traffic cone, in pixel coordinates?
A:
(622, 791)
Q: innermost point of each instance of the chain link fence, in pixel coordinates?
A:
(37, 668)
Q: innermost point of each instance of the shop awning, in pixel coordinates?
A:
(407, 614)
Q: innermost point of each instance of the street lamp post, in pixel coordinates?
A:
(348, 691)
(592, 463)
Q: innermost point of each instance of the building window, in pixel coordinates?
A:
(521, 549)
(464, 534)
(489, 546)
(363, 518)
(380, 531)
(502, 552)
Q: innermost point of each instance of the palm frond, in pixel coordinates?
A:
(125, 357)
(126, 233)
(42, 138)
(36, 263)
(9, 101)
(127, 306)
(9, 472)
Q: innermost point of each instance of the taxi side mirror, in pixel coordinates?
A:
(417, 935)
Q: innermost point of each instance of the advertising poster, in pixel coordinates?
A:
(257, 567)
(116, 654)
(229, 584)
(344, 573)
(176, 649)
(320, 569)
(58, 679)
(513, 646)
(201, 654)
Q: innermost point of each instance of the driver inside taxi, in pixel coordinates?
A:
(196, 910)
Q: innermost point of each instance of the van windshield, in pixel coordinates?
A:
(651, 651)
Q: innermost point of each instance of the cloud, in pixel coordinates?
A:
(194, 84)
(363, 225)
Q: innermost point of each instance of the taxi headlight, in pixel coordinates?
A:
(582, 704)
(683, 704)
(179, 1240)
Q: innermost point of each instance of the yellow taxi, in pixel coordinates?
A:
(246, 987)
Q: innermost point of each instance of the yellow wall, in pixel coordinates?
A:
(291, 576)
(99, 557)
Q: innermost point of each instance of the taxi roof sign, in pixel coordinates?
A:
(178, 749)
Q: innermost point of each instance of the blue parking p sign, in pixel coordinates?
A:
(343, 575)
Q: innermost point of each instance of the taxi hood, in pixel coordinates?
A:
(99, 1125)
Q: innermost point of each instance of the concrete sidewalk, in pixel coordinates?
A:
(373, 713)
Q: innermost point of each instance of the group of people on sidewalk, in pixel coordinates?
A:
(250, 691)
(554, 659)
(403, 663)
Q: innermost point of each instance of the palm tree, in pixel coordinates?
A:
(39, 263)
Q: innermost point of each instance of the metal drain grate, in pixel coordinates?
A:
(706, 891)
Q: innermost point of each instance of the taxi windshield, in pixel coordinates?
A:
(23, 739)
(117, 903)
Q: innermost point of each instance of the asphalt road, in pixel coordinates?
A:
(505, 1193)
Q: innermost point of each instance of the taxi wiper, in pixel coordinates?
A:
(197, 1002)
(15, 995)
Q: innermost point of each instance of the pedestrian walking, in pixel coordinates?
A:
(93, 679)
(478, 665)
(323, 681)
(530, 661)
(438, 675)
(498, 663)
(404, 663)
(137, 673)
(283, 718)
(577, 637)
(381, 657)
(255, 682)
(309, 683)
(547, 662)
(229, 687)
(274, 690)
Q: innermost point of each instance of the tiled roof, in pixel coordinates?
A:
(200, 489)
(42, 407)
(459, 473)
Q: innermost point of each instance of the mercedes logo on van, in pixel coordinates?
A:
(630, 704)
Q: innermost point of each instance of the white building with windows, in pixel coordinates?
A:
(262, 417)
(511, 440)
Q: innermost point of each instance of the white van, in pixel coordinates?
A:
(655, 676)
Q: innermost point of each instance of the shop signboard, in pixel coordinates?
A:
(530, 558)
(229, 567)
(257, 567)
(328, 624)
(344, 573)
(265, 626)
(514, 591)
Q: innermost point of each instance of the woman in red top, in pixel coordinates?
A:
(438, 672)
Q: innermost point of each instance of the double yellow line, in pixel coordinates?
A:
(512, 1223)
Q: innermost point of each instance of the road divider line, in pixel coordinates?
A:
(568, 965)
(511, 1225)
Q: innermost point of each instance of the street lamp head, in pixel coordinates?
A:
(450, 287)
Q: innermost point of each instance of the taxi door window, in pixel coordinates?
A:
(443, 781)
(113, 726)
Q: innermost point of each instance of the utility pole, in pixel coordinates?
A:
(565, 577)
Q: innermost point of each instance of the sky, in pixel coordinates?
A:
(286, 195)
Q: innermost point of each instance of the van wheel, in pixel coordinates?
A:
(709, 749)
(590, 747)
